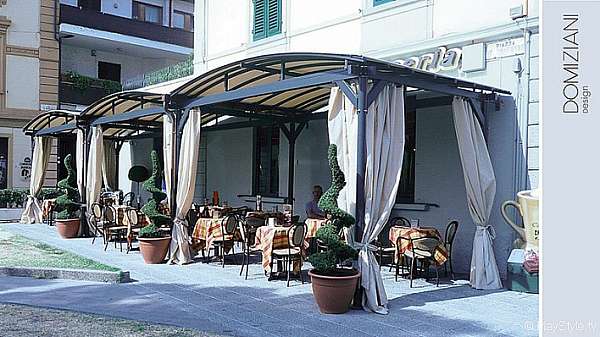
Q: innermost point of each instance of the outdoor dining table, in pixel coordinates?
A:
(207, 230)
(440, 254)
(313, 225)
(274, 237)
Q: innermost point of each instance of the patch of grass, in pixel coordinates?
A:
(18, 251)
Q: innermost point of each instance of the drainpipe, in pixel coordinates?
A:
(58, 39)
(523, 116)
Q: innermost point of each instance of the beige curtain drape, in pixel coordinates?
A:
(109, 165)
(186, 183)
(39, 163)
(480, 183)
(94, 168)
(80, 158)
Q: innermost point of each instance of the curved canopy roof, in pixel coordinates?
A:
(61, 121)
(281, 87)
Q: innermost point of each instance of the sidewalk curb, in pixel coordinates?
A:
(70, 274)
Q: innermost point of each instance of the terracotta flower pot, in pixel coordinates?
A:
(67, 228)
(154, 250)
(334, 294)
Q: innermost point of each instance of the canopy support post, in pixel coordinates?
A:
(361, 156)
(291, 134)
(118, 146)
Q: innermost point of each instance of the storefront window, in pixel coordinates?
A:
(406, 190)
(266, 161)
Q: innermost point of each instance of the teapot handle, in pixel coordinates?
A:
(518, 229)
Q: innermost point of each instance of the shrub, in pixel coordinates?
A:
(68, 204)
(151, 209)
(337, 250)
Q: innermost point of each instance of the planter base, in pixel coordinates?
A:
(334, 294)
(154, 250)
(67, 228)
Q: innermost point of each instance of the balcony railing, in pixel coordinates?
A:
(173, 72)
(84, 90)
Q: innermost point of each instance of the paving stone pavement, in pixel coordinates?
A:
(214, 299)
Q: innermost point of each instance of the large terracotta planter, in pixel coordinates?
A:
(334, 294)
(67, 228)
(154, 250)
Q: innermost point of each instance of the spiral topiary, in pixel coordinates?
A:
(337, 250)
(150, 209)
(68, 204)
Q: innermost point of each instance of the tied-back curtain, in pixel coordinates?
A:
(186, 183)
(80, 159)
(39, 163)
(342, 127)
(385, 149)
(94, 168)
(480, 184)
(109, 165)
(167, 154)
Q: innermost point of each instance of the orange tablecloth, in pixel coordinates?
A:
(272, 237)
(207, 230)
(440, 255)
(313, 225)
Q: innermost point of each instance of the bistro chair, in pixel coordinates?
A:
(128, 199)
(133, 227)
(451, 229)
(421, 249)
(112, 230)
(249, 228)
(385, 250)
(97, 221)
(229, 225)
(293, 252)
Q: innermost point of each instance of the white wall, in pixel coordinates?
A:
(117, 7)
(25, 22)
(81, 60)
(140, 155)
(22, 82)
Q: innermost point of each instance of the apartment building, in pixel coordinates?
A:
(29, 64)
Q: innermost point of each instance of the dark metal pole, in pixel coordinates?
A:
(361, 157)
(118, 146)
(175, 144)
(291, 155)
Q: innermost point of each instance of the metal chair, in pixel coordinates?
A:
(229, 225)
(111, 227)
(128, 199)
(384, 246)
(250, 225)
(451, 229)
(422, 249)
(294, 251)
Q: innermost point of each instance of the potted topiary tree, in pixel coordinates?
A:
(154, 244)
(333, 283)
(68, 204)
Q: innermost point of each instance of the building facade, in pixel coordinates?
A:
(490, 42)
(29, 66)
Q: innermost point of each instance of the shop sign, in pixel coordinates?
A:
(25, 169)
(442, 59)
(505, 48)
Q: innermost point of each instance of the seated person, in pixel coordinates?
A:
(312, 208)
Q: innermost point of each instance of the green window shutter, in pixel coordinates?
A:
(274, 17)
(259, 30)
(379, 2)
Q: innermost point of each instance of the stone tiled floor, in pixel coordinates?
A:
(210, 298)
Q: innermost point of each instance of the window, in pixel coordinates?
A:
(266, 161)
(267, 18)
(109, 71)
(93, 5)
(3, 162)
(379, 2)
(183, 21)
(406, 190)
(147, 13)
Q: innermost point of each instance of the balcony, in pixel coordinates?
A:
(83, 90)
(173, 72)
(115, 24)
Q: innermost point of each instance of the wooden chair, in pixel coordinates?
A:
(250, 225)
(133, 227)
(229, 225)
(112, 230)
(97, 221)
(451, 229)
(293, 252)
(421, 249)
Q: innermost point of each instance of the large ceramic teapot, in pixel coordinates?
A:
(528, 206)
